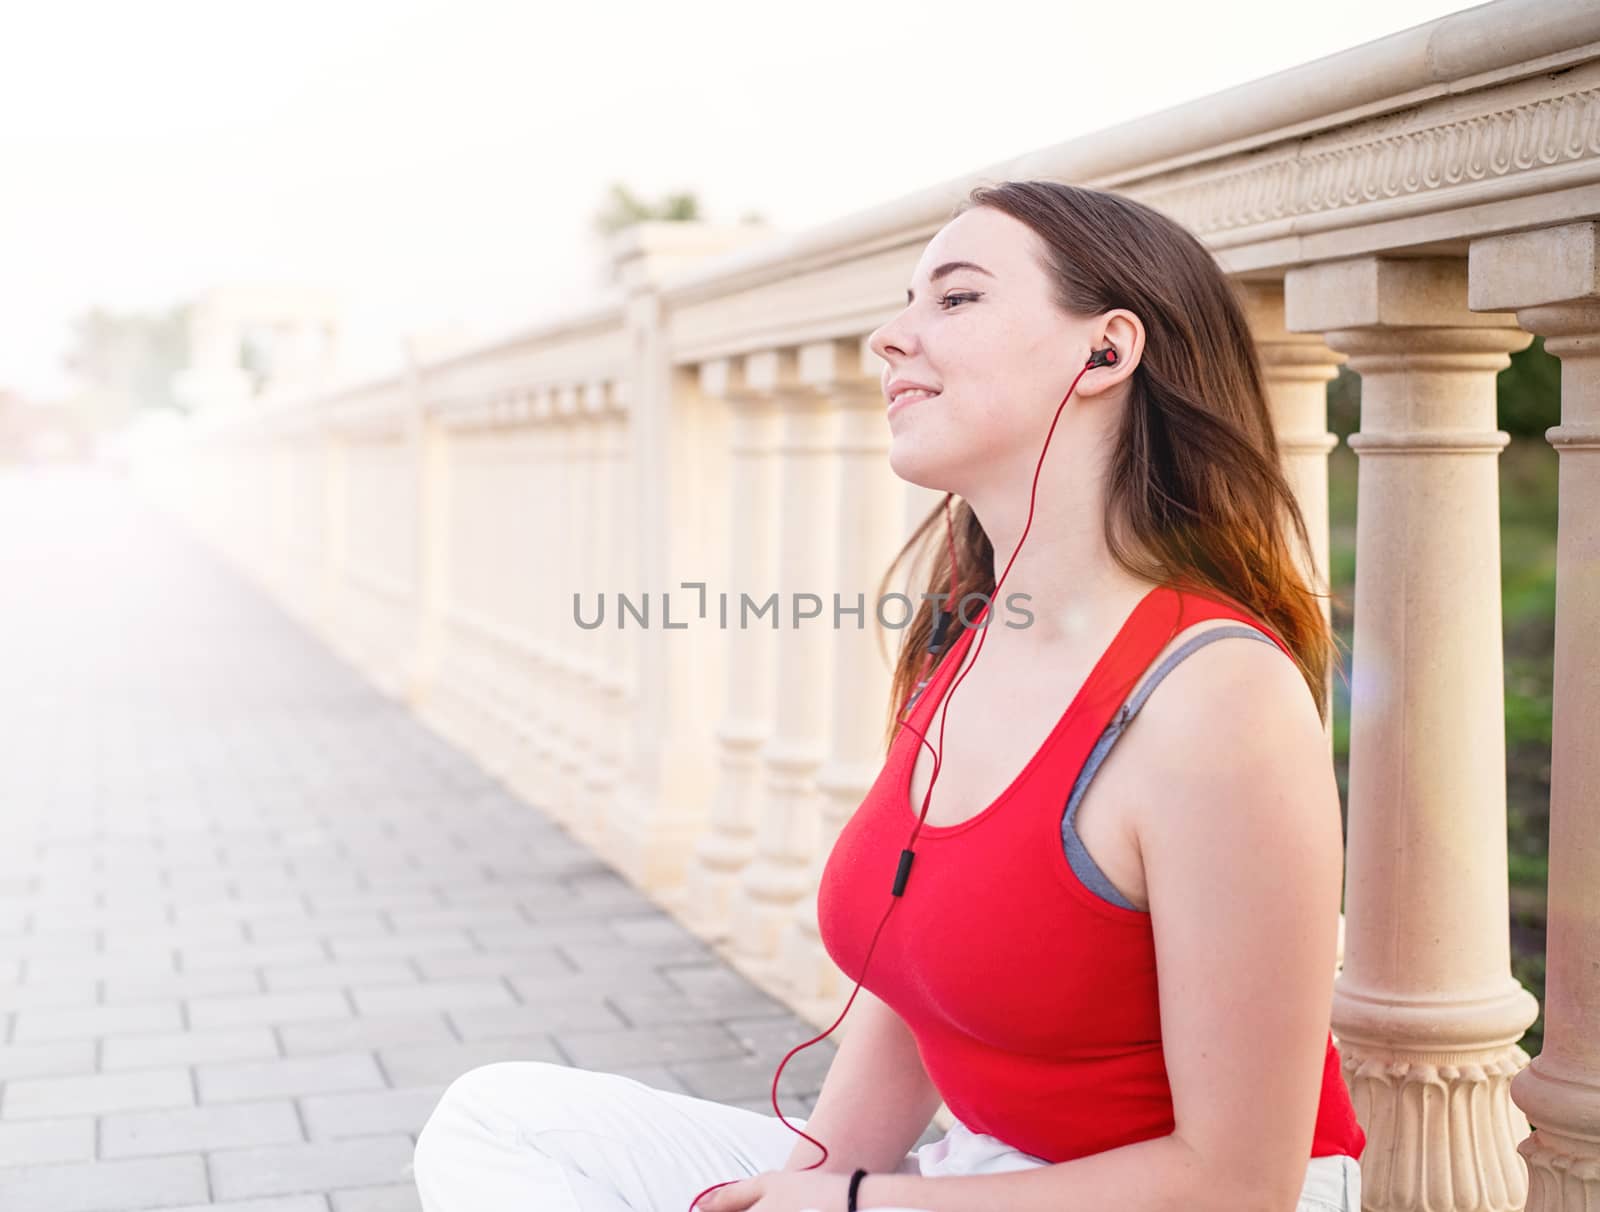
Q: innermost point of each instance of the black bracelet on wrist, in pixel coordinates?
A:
(855, 1182)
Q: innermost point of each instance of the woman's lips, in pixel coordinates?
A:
(906, 400)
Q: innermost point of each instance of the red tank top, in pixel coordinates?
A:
(1032, 999)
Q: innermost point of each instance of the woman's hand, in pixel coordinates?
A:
(781, 1191)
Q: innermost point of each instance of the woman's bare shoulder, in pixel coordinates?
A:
(1218, 712)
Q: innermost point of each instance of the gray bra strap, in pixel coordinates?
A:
(1086, 868)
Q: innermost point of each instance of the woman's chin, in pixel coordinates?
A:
(924, 468)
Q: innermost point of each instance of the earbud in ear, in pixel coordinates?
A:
(1103, 357)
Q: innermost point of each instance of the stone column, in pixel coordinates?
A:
(516, 533)
(778, 878)
(567, 573)
(727, 845)
(336, 511)
(431, 465)
(1296, 368)
(502, 527)
(1552, 279)
(870, 496)
(599, 530)
(524, 529)
(549, 609)
(484, 656)
(457, 663)
(1425, 1008)
(577, 519)
(603, 779)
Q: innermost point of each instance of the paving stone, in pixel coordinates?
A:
(288, 1203)
(340, 974)
(104, 1186)
(188, 1048)
(456, 917)
(386, 901)
(391, 945)
(500, 1022)
(37, 994)
(288, 1077)
(432, 995)
(356, 1034)
(37, 1142)
(252, 955)
(650, 1009)
(643, 981)
(171, 986)
(204, 932)
(529, 963)
(63, 1022)
(594, 956)
(654, 930)
(59, 1058)
(95, 1093)
(775, 1036)
(21, 945)
(267, 1008)
(318, 926)
(429, 1064)
(399, 1198)
(95, 965)
(662, 1044)
(193, 1129)
(193, 908)
(316, 1166)
(370, 1112)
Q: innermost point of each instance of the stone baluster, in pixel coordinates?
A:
(778, 878)
(1296, 368)
(1425, 1007)
(603, 779)
(550, 609)
(1551, 278)
(566, 572)
(728, 843)
(502, 528)
(524, 527)
(430, 461)
(870, 496)
(592, 521)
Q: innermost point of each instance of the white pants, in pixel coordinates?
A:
(533, 1136)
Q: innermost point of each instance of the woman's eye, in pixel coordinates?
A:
(958, 297)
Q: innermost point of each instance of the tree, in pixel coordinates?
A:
(625, 208)
(130, 355)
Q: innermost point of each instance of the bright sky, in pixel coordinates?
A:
(440, 163)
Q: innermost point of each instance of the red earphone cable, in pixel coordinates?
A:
(903, 874)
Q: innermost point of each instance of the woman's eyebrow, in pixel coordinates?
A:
(949, 267)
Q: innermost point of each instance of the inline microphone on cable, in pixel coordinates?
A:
(936, 645)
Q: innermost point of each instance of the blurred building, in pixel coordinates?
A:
(247, 341)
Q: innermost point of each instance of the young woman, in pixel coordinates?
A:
(1112, 954)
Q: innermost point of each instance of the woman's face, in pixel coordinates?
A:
(994, 344)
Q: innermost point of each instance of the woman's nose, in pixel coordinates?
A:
(886, 337)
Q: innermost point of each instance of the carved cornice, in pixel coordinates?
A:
(1303, 180)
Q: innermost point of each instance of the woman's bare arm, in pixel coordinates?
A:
(877, 1098)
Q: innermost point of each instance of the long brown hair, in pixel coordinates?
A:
(1194, 479)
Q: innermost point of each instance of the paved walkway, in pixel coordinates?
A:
(254, 917)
